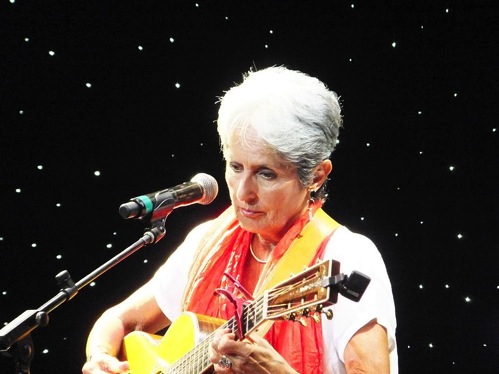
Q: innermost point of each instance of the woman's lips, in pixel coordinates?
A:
(249, 213)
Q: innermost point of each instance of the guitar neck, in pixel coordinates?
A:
(197, 360)
(305, 294)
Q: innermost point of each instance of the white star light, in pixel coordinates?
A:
(97, 173)
(51, 53)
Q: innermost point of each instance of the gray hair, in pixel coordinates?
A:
(294, 113)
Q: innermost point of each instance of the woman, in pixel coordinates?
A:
(277, 130)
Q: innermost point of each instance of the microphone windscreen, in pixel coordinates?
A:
(209, 186)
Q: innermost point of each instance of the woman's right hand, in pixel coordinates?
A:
(105, 363)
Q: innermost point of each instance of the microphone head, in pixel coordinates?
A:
(209, 186)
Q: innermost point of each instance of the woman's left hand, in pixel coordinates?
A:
(252, 355)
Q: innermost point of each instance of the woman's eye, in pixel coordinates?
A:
(267, 174)
(235, 167)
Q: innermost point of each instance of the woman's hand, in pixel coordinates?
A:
(104, 363)
(252, 355)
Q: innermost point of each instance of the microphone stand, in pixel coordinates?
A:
(15, 337)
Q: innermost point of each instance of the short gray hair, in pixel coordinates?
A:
(294, 113)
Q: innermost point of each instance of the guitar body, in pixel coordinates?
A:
(185, 347)
(153, 354)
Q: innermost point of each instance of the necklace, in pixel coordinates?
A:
(256, 258)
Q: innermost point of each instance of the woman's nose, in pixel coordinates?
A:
(246, 189)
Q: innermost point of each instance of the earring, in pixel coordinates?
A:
(311, 203)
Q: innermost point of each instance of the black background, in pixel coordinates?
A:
(416, 168)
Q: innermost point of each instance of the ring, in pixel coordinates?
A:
(225, 362)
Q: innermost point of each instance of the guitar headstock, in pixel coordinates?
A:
(303, 295)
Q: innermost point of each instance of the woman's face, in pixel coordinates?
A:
(265, 191)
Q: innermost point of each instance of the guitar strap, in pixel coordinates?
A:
(298, 256)
(301, 251)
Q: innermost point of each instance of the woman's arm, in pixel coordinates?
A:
(138, 312)
(367, 351)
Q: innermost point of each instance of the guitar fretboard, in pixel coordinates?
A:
(197, 360)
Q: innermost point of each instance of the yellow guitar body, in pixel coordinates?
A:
(185, 347)
(153, 354)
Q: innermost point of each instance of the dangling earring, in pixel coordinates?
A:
(311, 203)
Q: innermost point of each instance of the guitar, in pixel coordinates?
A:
(184, 347)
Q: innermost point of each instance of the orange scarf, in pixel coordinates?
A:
(229, 255)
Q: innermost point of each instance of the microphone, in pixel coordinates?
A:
(202, 189)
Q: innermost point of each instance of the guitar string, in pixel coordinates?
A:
(201, 349)
(254, 311)
(194, 354)
(200, 352)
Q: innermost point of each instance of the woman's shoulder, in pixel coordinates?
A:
(343, 237)
(352, 249)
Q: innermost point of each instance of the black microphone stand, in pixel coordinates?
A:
(15, 337)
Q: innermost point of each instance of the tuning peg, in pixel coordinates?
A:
(329, 314)
(316, 317)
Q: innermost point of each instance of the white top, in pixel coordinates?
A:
(353, 251)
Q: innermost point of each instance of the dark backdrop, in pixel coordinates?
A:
(128, 90)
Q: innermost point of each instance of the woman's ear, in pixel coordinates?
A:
(321, 173)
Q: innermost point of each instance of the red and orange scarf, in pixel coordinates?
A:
(224, 249)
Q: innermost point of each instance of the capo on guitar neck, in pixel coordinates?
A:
(237, 302)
